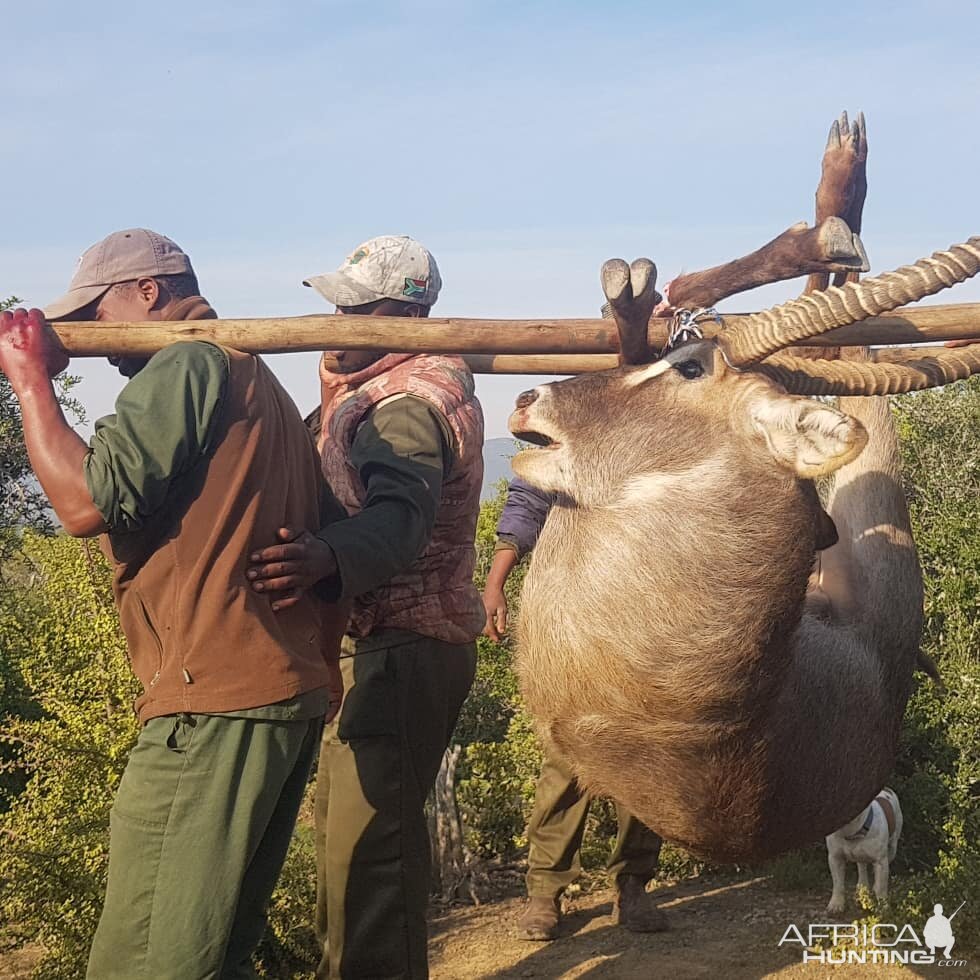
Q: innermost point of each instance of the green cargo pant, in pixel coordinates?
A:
(378, 761)
(555, 835)
(199, 832)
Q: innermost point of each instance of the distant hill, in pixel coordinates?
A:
(496, 464)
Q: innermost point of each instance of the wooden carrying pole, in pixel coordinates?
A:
(490, 346)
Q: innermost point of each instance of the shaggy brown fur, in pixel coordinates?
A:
(666, 647)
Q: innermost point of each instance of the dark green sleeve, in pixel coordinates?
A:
(331, 509)
(164, 422)
(401, 452)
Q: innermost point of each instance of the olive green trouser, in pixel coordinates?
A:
(199, 831)
(555, 835)
(378, 761)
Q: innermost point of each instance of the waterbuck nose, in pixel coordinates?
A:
(526, 398)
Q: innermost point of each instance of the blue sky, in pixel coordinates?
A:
(524, 143)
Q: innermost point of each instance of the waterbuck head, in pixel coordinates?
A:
(633, 432)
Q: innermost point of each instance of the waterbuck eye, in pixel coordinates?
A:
(690, 369)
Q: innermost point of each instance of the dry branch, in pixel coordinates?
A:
(453, 868)
(552, 364)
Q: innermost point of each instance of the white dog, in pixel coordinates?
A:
(870, 838)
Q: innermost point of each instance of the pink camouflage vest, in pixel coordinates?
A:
(435, 596)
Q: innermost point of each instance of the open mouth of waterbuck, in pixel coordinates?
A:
(540, 460)
(540, 440)
(532, 430)
(529, 422)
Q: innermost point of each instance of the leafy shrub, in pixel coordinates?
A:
(498, 770)
(938, 772)
(497, 792)
(289, 947)
(69, 744)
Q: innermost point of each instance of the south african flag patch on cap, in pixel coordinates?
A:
(414, 287)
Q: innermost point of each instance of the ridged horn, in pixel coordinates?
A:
(761, 334)
(893, 377)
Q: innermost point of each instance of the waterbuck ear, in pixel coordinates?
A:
(807, 437)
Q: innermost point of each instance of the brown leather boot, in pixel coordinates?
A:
(634, 906)
(539, 923)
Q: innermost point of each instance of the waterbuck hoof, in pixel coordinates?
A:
(615, 278)
(643, 282)
(843, 249)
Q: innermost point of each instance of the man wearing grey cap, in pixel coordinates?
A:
(401, 440)
(205, 457)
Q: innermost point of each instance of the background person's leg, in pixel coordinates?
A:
(554, 834)
(632, 864)
(555, 831)
(637, 850)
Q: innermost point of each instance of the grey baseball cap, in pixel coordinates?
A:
(121, 257)
(387, 267)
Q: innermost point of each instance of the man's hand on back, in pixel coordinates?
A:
(284, 571)
(29, 348)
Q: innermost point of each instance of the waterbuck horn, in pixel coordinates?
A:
(761, 334)
(894, 376)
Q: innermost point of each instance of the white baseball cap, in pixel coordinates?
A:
(121, 257)
(386, 267)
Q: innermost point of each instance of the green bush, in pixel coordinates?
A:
(488, 710)
(498, 770)
(289, 948)
(68, 744)
(496, 791)
(938, 772)
(68, 732)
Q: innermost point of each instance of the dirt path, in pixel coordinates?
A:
(721, 930)
(18, 964)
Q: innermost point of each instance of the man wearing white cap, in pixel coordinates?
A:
(205, 457)
(401, 439)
